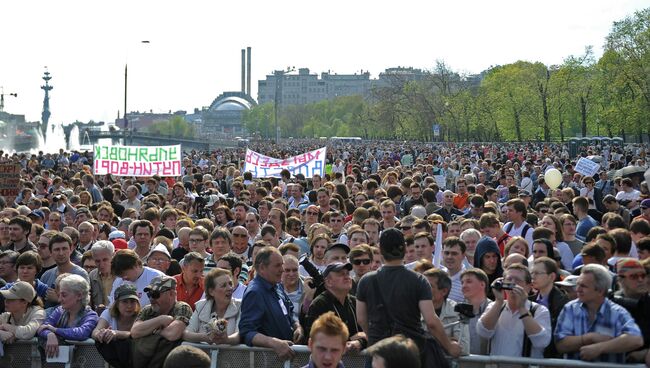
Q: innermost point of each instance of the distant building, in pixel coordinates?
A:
(304, 87)
(140, 121)
(224, 117)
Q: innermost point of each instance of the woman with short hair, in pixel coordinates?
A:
(207, 322)
(73, 319)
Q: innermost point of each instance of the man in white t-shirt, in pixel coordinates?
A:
(628, 193)
(517, 225)
(128, 268)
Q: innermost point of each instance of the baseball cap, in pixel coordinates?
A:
(627, 264)
(524, 193)
(336, 267)
(160, 247)
(37, 213)
(339, 246)
(571, 280)
(19, 290)
(126, 291)
(213, 198)
(161, 284)
(117, 234)
(645, 203)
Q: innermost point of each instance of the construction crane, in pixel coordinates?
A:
(2, 98)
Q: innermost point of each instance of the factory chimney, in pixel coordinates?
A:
(248, 71)
(243, 70)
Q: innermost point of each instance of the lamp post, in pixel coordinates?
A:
(126, 83)
(277, 101)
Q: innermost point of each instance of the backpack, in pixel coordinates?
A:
(524, 231)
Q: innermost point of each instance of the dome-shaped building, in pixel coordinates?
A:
(224, 117)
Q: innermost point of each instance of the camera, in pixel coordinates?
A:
(57, 198)
(317, 281)
(465, 311)
(500, 285)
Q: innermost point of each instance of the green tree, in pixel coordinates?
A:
(176, 127)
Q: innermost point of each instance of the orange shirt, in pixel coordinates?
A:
(182, 293)
(460, 200)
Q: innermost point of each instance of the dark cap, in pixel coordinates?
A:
(337, 267)
(161, 284)
(339, 246)
(37, 213)
(645, 203)
(126, 291)
(524, 193)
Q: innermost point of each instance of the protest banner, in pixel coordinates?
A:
(10, 181)
(587, 167)
(137, 160)
(308, 164)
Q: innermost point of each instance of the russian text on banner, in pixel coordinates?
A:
(587, 167)
(9, 181)
(137, 160)
(308, 164)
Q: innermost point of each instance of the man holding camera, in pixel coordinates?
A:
(516, 327)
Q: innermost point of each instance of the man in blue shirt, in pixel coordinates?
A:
(585, 222)
(266, 311)
(592, 327)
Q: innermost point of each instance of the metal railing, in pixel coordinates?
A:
(25, 354)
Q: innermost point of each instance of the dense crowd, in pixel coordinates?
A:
(404, 249)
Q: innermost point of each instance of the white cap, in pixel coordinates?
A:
(117, 234)
(160, 247)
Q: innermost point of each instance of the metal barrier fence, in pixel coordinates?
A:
(25, 354)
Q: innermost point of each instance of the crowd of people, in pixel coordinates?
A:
(411, 252)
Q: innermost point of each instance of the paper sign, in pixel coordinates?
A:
(137, 160)
(587, 167)
(308, 164)
(9, 181)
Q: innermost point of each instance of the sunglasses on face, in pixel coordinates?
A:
(358, 262)
(239, 235)
(153, 294)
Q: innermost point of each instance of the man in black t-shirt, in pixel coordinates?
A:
(403, 305)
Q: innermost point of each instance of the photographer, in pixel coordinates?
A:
(516, 327)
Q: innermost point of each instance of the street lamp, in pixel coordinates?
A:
(279, 78)
(126, 83)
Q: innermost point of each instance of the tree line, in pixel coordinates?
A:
(522, 101)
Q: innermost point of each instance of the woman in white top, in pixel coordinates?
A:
(218, 305)
(24, 313)
(113, 332)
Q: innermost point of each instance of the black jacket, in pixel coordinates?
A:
(556, 301)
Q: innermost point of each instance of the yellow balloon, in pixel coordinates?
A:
(553, 178)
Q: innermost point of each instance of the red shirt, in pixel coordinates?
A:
(501, 242)
(182, 293)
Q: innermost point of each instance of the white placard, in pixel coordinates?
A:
(587, 167)
(308, 164)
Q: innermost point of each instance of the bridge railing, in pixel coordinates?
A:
(25, 354)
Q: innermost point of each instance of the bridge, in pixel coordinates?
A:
(89, 137)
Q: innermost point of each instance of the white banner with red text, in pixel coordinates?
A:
(137, 160)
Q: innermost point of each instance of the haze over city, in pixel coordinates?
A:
(194, 49)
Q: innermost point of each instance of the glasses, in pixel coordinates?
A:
(405, 228)
(336, 220)
(538, 273)
(196, 240)
(153, 294)
(239, 235)
(359, 262)
(634, 276)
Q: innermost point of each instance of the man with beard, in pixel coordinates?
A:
(19, 229)
(240, 210)
(160, 325)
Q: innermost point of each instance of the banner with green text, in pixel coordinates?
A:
(137, 160)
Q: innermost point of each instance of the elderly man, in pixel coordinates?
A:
(336, 298)
(516, 327)
(592, 327)
(160, 325)
(101, 278)
(266, 312)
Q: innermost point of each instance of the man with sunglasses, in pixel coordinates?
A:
(159, 327)
(361, 260)
(633, 296)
